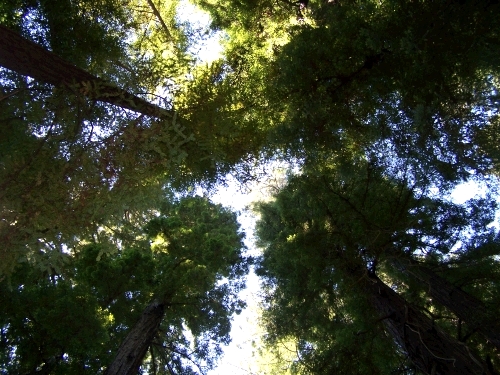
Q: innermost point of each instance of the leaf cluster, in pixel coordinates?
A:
(77, 316)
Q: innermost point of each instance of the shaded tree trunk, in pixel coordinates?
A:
(134, 347)
(466, 307)
(430, 349)
(27, 58)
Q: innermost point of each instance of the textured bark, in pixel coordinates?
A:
(135, 345)
(466, 307)
(27, 58)
(430, 349)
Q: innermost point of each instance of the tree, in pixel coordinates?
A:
(184, 277)
(466, 307)
(354, 83)
(64, 165)
(325, 236)
(379, 104)
(357, 78)
(430, 349)
(70, 160)
(137, 342)
(29, 59)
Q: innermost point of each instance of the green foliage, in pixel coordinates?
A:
(47, 322)
(329, 228)
(360, 78)
(86, 32)
(310, 296)
(69, 163)
(75, 319)
(380, 103)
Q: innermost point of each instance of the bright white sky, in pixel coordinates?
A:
(240, 357)
(208, 49)
(237, 359)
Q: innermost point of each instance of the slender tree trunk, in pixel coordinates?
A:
(27, 58)
(466, 307)
(135, 345)
(430, 349)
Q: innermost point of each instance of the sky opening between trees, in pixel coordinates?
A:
(111, 262)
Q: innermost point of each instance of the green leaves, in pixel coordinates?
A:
(382, 107)
(327, 231)
(77, 315)
(359, 81)
(45, 321)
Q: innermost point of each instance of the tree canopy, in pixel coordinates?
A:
(327, 238)
(110, 262)
(77, 318)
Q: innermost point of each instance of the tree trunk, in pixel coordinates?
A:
(430, 349)
(135, 345)
(27, 58)
(466, 307)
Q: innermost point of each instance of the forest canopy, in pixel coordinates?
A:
(112, 262)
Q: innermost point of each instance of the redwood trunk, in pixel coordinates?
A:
(27, 58)
(135, 345)
(466, 307)
(430, 349)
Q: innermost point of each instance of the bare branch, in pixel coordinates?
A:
(3, 97)
(162, 22)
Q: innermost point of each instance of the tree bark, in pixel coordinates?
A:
(466, 307)
(430, 349)
(134, 347)
(27, 58)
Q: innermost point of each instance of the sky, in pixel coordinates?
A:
(237, 358)
(207, 49)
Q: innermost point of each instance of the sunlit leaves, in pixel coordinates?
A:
(78, 314)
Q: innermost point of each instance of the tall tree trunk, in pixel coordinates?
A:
(430, 349)
(466, 307)
(27, 58)
(134, 347)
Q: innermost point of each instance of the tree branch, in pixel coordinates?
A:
(29, 59)
(162, 22)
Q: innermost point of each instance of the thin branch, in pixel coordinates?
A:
(169, 368)
(158, 15)
(437, 316)
(459, 330)
(187, 356)
(350, 204)
(12, 93)
(468, 335)
(425, 346)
